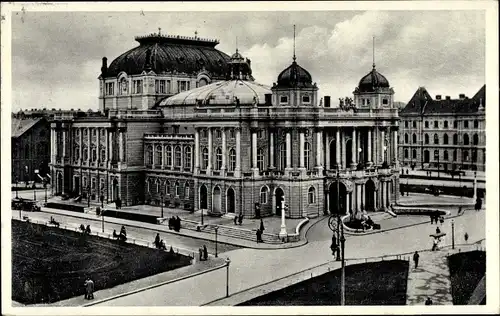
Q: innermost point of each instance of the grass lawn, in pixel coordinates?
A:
(50, 264)
(376, 283)
(466, 270)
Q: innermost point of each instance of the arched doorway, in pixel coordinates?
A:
(279, 195)
(333, 154)
(334, 196)
(216, 200)
(114, 189)
(59, 183)
(370, 196)
(203, 197)
(230, 200)
(348, 152)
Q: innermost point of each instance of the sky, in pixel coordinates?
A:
(56, 56)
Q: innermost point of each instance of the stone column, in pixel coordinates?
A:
(64, 143)
(343, 149)
(210, 152)
(369, 147)
(98, 151)
(163, 156)
(327, 151)
(288, 150)
(327, 201)
(122, 149)
(382, 204)
(271, 149)
(382, 144)
(107, 145)
(89, 147)
(363, 196)
(154, 152)
(347, 203)
(395, 146)
(254, 149)
(388, 192)
(111, 156)
(301, 149)
(224, 150)
(358, 197)
(238, 153)
(337, 149)
(196, 151)
(354, 149)
(319, 149)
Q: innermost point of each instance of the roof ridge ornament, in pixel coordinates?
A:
(373, 52)
(294, 57)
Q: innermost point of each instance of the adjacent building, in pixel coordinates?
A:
(444, 133)
(215, 139)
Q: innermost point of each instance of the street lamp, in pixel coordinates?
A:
(216, 230)
(45, 187)
(34, 191)
(102, 220)
(342, 278)
(102, 199)
(338, 214)
(452, 234)
(228, 261)
(202, 216)
(161, 202)
(17, 189)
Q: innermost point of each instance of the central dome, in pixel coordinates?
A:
(168, 53)
(294, 77)
(373, 81)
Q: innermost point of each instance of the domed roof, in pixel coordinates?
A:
(373, 81)
(220, 93)
(167, 53)
(294, 76)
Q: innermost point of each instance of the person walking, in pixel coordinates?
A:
(466, 237)
(89, 289)
(434, 245)
(200, 250)
(428, 301)
(205, 252)
(235, 220)
(432, 219)
(261, 226)
(416, 256)
(258, 235)
(240, 219)
(438, 231)
(157, 240)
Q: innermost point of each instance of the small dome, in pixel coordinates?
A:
(294, 77)
(221, 93)
(373, 81)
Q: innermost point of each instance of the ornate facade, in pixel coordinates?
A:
(229, 145)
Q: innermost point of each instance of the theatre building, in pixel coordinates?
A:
(228, 143)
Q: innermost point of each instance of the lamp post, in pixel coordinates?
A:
(342, 278)
(202, 216)
(88, 196)
(45, 187)
(228, 261)
(17, 189)
(102, 220)
(338, 214)
(216, 230)
(161, 203)
(452, 234)
(102, 199)
(34, 191)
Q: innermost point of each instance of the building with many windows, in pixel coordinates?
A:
(227, 145)
(444, 133)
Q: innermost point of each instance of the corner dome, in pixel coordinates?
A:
(168, 53)
(373, 81)
(294, 76)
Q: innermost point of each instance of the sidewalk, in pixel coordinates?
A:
(432, 277)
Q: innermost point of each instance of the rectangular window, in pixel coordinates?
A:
(436, 124)
(455, 124)
(414, 124)
(306, 99)
(160, 86)
(186, 191)
(181, 86)
(137, 88)
(426, 124)
(110, 88)
(363, 101)
(466, 124)
(368, 101)
(169, 87)
(476, 124)
(445, 124)
(385, 101)
(283, 99)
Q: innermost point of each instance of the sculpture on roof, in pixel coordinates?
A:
(347, 104)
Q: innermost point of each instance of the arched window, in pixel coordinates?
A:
(186, 190)
(187, 157)
(283, 156)
(436, 155)
(426, 138)
(177, 188)
(436, 139)
(465, 155)
(94, 154)
(406, 138)
(406, 152)
(454, 155)
(455, 139)
(157, 186)
(311, 195)
(307, 153)
(466, 139)
(85, 154)
(445, 155)
(168, 150)
(414, 138)
(414, 154)
(167, 187)
(263, 195)
(158, 157)
(178, 157)
(149, 155)
(103, 155)
(475, 139)
(445, 139)
(260, 159)
(77, 152)
(474, 156)
(205, 158)
(218, 158)
(232, 159)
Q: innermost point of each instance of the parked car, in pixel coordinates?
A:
(26, 205)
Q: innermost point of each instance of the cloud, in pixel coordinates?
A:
(57, 56)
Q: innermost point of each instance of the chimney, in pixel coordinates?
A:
(327, 101)
(268, 98)
(461, 96)
(104, 68)
(438, 97)
(448, 97)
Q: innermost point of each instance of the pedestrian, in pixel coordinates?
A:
(432, 219)
(428, 301)
(459, 210)
(178, 220)
(240, 219)
(261, 226)
(438, 231)
(87, 230)
(157, 240)
(466, 237)
(200, 250)
(89, 289)
(434, 245)
(258, 235)
(235, 219)
(205, 252)
(170, 223)
(415, 258)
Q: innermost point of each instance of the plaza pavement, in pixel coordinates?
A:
(250, 268)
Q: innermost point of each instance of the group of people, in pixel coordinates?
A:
(238, 220)
(260, 231)
(367, 222)
(85, 230)
(203, 252)
(122, 236)
(174, 223)
(159, 243)
(435, 218)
